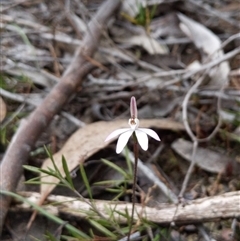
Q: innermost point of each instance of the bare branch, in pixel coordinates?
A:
(201, 210)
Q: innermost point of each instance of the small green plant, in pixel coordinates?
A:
(120, 187)
(110, 227)
(144, 16)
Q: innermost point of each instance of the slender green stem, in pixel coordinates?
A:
(135, 150)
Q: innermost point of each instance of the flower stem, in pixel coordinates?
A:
(135, 150)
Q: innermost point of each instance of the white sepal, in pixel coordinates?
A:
(122, 140)
(142, 139)
(150, 132)
(116, 133)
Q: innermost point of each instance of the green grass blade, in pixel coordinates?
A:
(67, 173)
(109, 183)
(50, 237)
(85, 180)
(115, 167)
(49, 172)
(103, 229)
(58, 173)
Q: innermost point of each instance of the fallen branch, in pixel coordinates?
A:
(30, 130)
(201, 210)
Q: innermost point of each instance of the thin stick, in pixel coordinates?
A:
(135, 150)
(189, 171)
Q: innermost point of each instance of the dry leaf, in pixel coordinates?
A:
(151, 45)
(209, 43)
(3, 109)
(89, 140)
(208, 160)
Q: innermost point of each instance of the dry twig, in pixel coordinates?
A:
(204, 209)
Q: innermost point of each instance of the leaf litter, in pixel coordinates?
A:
(157, 61)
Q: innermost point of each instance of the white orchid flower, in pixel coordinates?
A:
(125, 133)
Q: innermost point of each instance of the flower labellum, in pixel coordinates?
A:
(125, 133)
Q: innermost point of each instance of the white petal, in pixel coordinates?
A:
(150, 132)
(116, 133)
(122, 140)
(142, 139)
